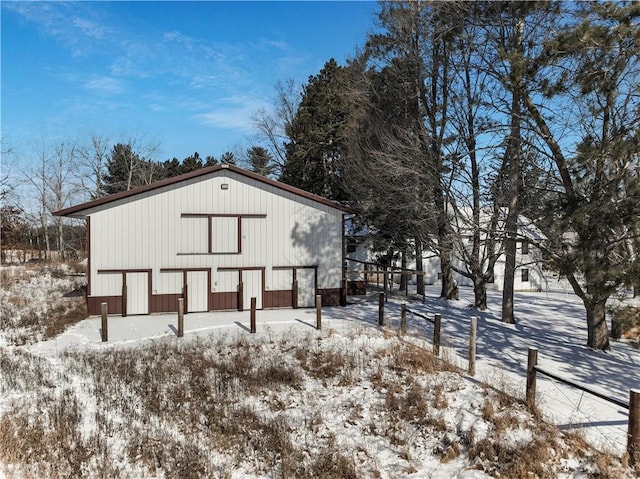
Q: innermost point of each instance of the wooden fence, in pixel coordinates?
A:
(633, 406)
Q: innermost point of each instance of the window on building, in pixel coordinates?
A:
(525, 247)
(525, 275)
(352, 245)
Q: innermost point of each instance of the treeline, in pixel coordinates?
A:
(71, 173)
(127, 168)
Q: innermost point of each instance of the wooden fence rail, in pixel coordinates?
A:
(633, 406)
(437, 323)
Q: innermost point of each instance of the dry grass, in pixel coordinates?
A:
(46, 440)
(40, 301)
(275, 407)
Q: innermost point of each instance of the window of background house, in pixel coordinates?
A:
(525, 275)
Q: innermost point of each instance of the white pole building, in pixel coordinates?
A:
(215, 237)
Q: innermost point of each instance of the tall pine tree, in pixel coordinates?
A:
(316, 147)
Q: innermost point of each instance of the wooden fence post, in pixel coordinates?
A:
(240, 296)
(294, 293)
(403, 318)
(472, 345)
(343, 292)
(318, 312)
(633, 437)
(532, 362)
(124, 300)
(437, 322)
(381, 309)
(104, 332)
(180, 317)
(253, 315)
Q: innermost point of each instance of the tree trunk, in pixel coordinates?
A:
(509, 277)
(597, 330)
(61, 245)
(449, 286)
(480, 293)
(419, 268)
(403, 275)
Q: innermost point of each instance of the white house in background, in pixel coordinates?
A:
(215, 237)
(530, 274)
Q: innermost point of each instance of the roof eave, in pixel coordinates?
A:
(77, 211)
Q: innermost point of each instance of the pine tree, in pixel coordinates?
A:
(316, 147)
(594, 212)
(260, 161)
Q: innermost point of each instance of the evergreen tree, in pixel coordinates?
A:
(260, 161)
(170, 168)
(594, 212)
(191, 163)
(123, 168)
(127, 169)
(228, 158)
(316, 133)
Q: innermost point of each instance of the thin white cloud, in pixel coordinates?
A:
(74, 24)
(105, 85)
(233, 113)
(90, 28)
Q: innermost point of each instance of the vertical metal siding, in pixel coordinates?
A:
(149, 232)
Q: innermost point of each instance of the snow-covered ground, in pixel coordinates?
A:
(552, 322)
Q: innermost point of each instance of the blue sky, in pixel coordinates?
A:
(186, 75)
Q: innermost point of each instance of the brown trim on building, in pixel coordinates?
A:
(114, 304)
(224, 301)
(223, 215)
(277, 299)
(195, 174)
(133, 270)
(210, 217)
(88, 256)
(165, 303)
(282, 268)
(241, 268)
(207, 254)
